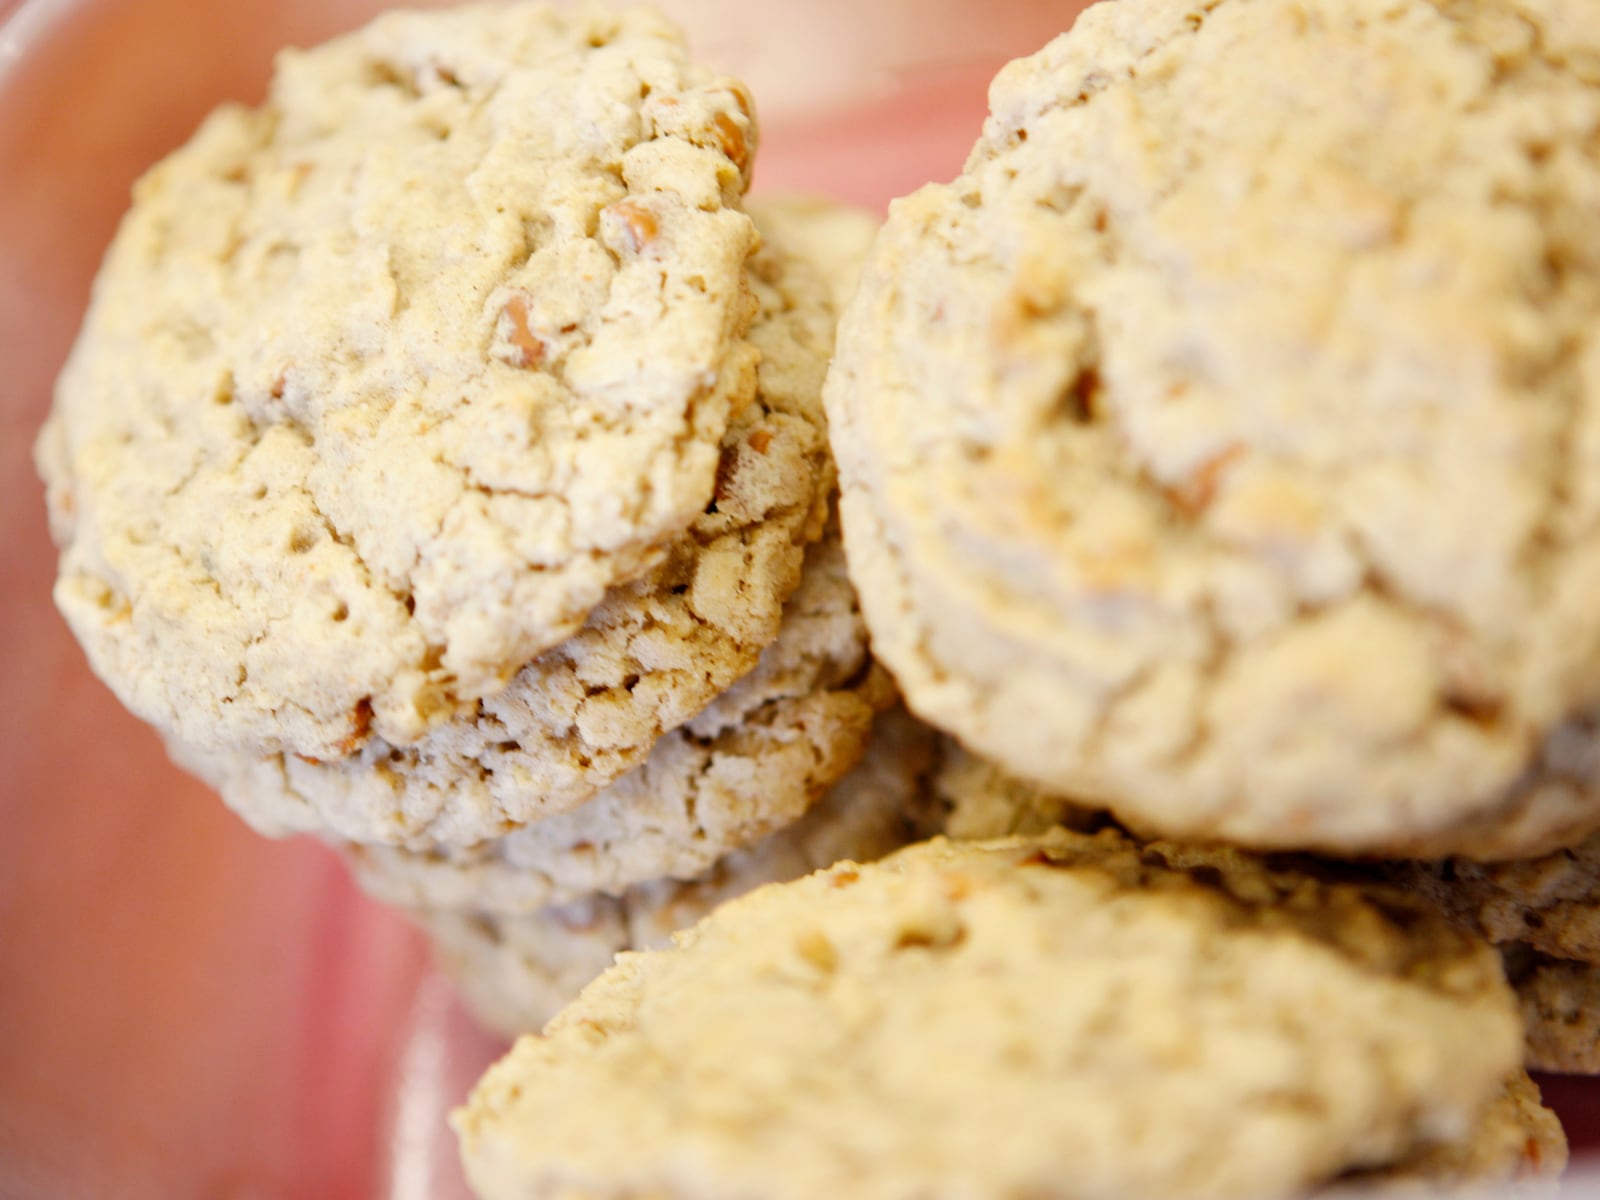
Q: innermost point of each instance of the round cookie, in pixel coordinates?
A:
(752, 762)
(651, 655)
(962, 1019)
(386, 382)
(1219, 446)
(516, 972)
(1516, 1147)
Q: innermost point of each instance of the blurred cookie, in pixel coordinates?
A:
(1529, 909)
(516, 972)
(651, 655)
(962, 1019)
(748, 765)
(386, 382)
(1217, 446)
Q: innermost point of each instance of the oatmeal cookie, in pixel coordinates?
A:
(962, 1019)
(833, 237)
(1220, 446)
(1517, 1147)
(1560, 1010)
(386, 382)
(1550, 904)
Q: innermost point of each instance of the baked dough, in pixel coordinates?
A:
(1223, 445)
(1067, 1016)
(386, 382)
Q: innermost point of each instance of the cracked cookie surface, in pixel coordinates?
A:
(516, 972)
(1140, 1012)
(652, 654)
(1221, 446)
(747, 765)
(386, 382)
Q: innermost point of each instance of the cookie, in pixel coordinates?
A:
(651, 655)
(749, 764)
(386, 382)
(962, 1019)
(516, 972)
(1560, 1010)
(1517, 1146)
(1217, 446)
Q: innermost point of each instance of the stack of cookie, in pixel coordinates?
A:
(1214, 456)
(442, 470)
(1036, 993)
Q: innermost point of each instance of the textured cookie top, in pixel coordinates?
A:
(970, 1019)
(384, 383)
(652, 654)
(517, 972)
(798, 723)
(1220, 444)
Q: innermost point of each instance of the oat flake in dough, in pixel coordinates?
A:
(386, 382)
(1222, 445)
